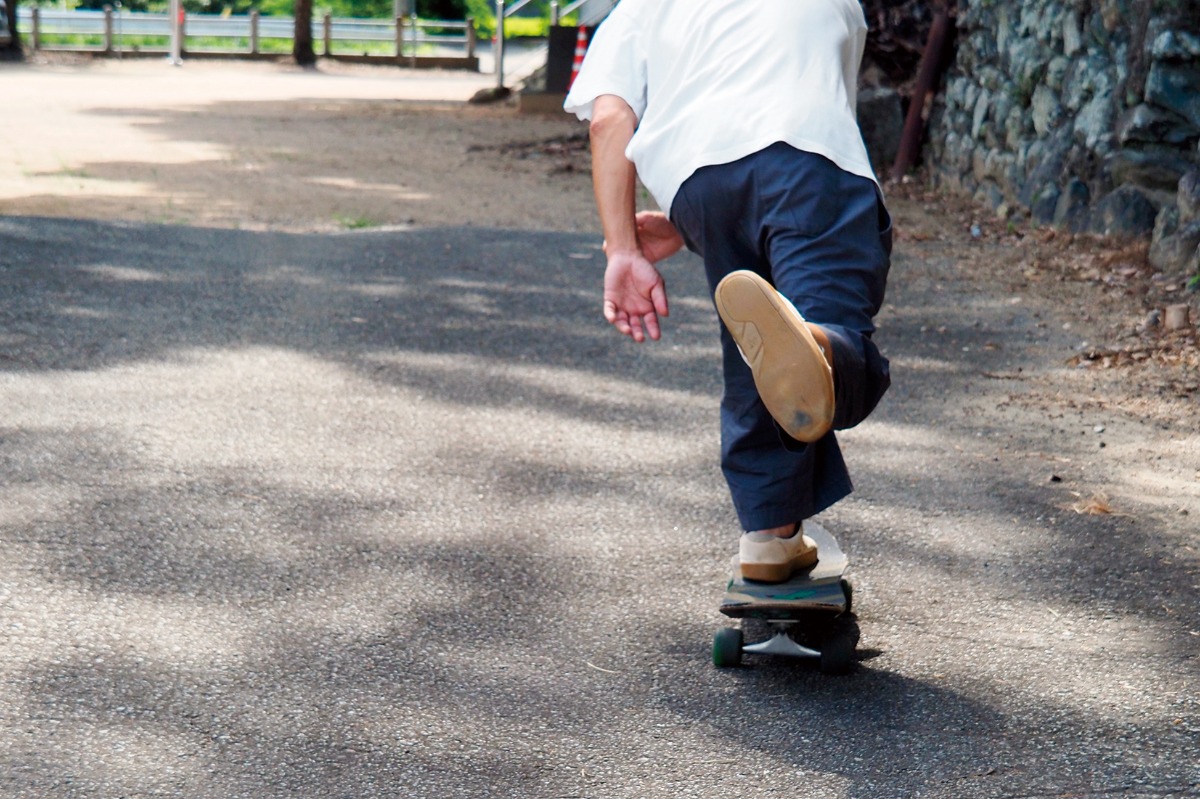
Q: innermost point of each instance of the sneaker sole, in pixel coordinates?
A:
(792, 376)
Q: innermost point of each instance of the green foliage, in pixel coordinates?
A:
(441, 9)
(364, 9)
(355, 222)
(537, 27)
(536, 23)
(484, 14)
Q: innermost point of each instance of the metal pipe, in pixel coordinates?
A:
(499, 48)
(176, 12)
(928, 73)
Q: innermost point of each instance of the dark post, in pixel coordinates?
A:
(928, 72)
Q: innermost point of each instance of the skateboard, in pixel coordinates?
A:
(809, 615)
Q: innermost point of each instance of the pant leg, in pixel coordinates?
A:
(828, 240)
(734, 216)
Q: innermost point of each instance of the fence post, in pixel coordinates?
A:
(254, 31)
(471, 37)
(175, 12)
(328, 33)
(412, 55)
(120, 33)
(399, 36)
(554, 13)
(108, 30)
(498, 50)
(35, 35)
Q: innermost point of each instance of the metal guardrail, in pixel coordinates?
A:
(114, 29)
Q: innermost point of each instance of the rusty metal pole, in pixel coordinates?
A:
(928, 73)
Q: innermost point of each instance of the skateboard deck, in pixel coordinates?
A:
(813, 607)
(818, 588)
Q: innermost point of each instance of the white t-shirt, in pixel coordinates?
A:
(712, 81)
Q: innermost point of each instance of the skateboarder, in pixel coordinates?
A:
(739, 117)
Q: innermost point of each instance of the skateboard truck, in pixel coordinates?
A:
(781, 643)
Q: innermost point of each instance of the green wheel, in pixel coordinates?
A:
(727, 648)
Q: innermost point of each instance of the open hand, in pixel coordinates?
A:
(634, 295)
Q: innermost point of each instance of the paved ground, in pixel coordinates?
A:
(391, 514)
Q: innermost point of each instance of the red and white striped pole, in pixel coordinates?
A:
(581, 45)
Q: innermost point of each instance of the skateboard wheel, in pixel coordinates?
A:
(848, 590)
(837, 655)
(727, 648)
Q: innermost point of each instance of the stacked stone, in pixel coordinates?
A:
(1176, 242)
(1084, 112)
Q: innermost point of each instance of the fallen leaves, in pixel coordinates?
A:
(1096, 505)
(1141, 323)
(1178, 353)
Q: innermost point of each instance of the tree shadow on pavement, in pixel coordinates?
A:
(395, 514)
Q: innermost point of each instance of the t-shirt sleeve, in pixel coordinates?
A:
(614, 64)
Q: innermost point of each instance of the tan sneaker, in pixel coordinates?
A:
(790, 371)
(771, 559)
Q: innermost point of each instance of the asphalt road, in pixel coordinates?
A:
(393, 514)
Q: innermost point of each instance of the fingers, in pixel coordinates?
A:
(636, 327)
(652, 329)
(639, 327)
(616, 317)
(635, 330)
(658, 296)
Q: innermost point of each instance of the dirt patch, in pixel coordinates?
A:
(1106, 291)
(262, 146)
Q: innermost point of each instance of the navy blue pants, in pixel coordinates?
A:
(822, 237)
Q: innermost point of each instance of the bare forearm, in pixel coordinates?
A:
(614, 178)
(635, 295)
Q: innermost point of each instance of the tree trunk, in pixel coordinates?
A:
(302, 42)
(12, 50)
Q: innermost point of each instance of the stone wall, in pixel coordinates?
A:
(1081, 113)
